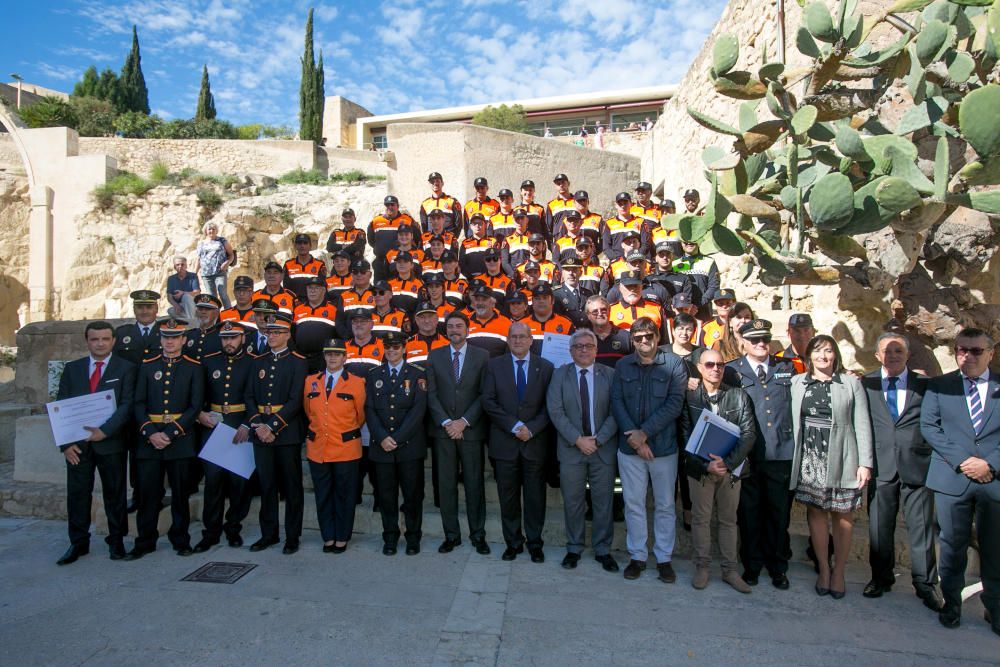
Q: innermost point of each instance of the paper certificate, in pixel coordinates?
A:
(220, 449)
(69, 416)
(555, 348)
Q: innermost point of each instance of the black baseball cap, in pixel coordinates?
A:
(390, 199)
(302, 238)
(800, 320)
(242, 282)
(433, 175)
(572, 214)
(425, 307)
(360, 266)
(505, 193)
(273, 265)
(536, 238)
(448, 256)
(560, 177)
(480, 182)
(477, 217)
(434, 212)
(691, 193)
(403, 256)
(631, 234)
(314, 280)
(404, 227)
(382, 286)
(623, 196)
(491, 254)
(643, 185)
(393, 339)
(434, 279)
(340, 254)
(520, 213)
(541, 289)
(725, 294)
(630, 278)
(482, 290)
(528, 183)
(361, 314)
(581, 195)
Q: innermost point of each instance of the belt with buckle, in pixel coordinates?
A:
(270, 409)
(165, 418)
(229, 408)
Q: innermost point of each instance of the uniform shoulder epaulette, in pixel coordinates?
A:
(192, 360)
(296, 354)
(211, 354)
(146, 361)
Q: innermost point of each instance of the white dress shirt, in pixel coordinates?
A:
(900, 396)
(93, 365)
(461, 365)
(754, 365)
(589, 379)
(526, 360)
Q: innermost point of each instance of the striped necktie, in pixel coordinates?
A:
(975, 405)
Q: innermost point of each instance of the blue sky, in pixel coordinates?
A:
(389, 56)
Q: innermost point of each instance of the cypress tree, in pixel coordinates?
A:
(307, 87)
(206, 103)
(319, 90)
(135, 96)
(109, 89)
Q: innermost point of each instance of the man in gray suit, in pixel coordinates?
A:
(578, 400)
(902, 456)
(458, 427)
(960, 418)
(514, 398)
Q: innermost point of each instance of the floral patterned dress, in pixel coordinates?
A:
(817, 421)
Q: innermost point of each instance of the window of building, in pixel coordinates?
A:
(380, 142)
(623, 121)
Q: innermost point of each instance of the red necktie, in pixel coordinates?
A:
(95, 377)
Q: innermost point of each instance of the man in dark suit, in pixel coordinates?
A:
(579, 404)
(395, 405)
(514, 390)
(454, 376)
(901, 460)
(960, 418)
(104, 449)
(570, 297)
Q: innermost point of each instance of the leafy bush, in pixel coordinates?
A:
(311, 176)
(125, 183)
(510, 118)
(208, 198)
(194, 129)
(249, 132)
(137, 125)
(49, 112)
(159, 172)
(96, 118)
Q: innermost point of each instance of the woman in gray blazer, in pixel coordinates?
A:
(833, 457)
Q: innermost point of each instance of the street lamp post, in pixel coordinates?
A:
(17, 77)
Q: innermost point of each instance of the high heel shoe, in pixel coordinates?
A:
(820, 591)
(836, 595)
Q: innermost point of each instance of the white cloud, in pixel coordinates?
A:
(92, 55)
(325, 13)
(60, 72)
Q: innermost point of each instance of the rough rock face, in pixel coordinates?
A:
(15, 210)
(119, 251)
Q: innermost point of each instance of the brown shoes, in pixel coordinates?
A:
(700, 580)
(666, 573)
(634, 569)
(736, 581)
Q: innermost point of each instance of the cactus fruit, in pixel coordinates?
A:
(819, 23)
(831, 201)
(896, 195)
(725, 53)
(979, 120)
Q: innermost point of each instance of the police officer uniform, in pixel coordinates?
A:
(765, 501)
(255, 339)
(674, 283)
(169, 394)
(226, 377)
(275, 392)
(298, 272)
(395, 406)
(202, 341)
(571, 302)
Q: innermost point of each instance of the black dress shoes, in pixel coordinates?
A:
(74, 552)
(132, 506)
(448, 546)
(137, 553)
(204, 546)
(412, 549)
(570, 561)
(537, 555)
(994, 626)
(751, 579)
(338, 548)
(262, 544)
(950, 616)
(291, 546)
(116, 551)
(235, 541)
(608, 562)
(873, 589)
(930, 599)
(780, 581)
(388, 549)
(482, 548)
(510, 553)
(184, 550)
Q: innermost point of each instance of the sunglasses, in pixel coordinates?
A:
(642, 338)
(381, 292)
(973, 351)
(597, 311)
(713, 364)
(762, 340)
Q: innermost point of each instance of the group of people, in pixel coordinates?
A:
(374, 364)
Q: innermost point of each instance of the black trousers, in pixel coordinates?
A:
(408, 477)
(334, 485)
(80, 491)
(763, 516)
(280, 464)
(220, 486)
(151, 492)
(470, 453)
(955, 516)
(884, 500)
(514, 478)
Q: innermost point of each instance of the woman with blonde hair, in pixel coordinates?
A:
(212, 260)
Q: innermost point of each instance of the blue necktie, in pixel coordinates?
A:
(975, 406)
(522, 380)
(329, 385)
(890, 398)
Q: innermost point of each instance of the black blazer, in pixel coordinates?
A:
(448, 400)
(899, 447)
(119, 376)
(396, 410)
(500, 402)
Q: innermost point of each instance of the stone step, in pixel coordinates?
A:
(9, 414)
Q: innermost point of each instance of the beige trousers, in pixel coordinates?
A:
(718, 492)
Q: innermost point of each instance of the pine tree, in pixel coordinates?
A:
(134, 95)
(206, 102)
(307, 88)
(87, 86)
(109, 88)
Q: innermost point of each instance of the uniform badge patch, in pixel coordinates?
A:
(216, 374)
(621, 316)
(616, 345)
(158, 375)
(262, 374)
(127, 339)
(191, 343)
(559, 328)
(422, 383)
(378, 384)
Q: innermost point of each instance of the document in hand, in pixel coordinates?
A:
(223, 452)
(712, 435)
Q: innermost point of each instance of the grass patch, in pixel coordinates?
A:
(159, 172)
(208, 198)
(299, 176)
(125, 183)
(353, 176)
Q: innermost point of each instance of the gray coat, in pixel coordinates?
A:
(851, 434)
(563, 402)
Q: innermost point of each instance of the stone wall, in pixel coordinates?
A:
(629, 143)
(15, 210)
(341, 160)
(463, 152)
(213, 156)
(340, 121)
(10, 159)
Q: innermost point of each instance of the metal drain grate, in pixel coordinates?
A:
(219, 573)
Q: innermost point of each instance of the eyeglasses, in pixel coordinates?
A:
(381, 292)
(597, 311)
(713, 364)
(642, 338)
(763, 340)
(492, 259)
(973, 351)
(583, 346)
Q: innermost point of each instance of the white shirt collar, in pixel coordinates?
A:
(589, 369)
(901, 382)
(461, 350)
(398, 367)
(754, 364)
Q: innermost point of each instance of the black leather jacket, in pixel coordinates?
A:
(735, 407)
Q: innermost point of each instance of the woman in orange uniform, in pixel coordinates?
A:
(335, 405)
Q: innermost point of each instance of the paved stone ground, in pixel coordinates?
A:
(365, 608)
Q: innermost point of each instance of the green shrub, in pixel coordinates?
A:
(208, 198)
(311, 176)
(96, 117)
(125, 183)
(159, 172)
(195, 129)
(49, 112)
(137, 125)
